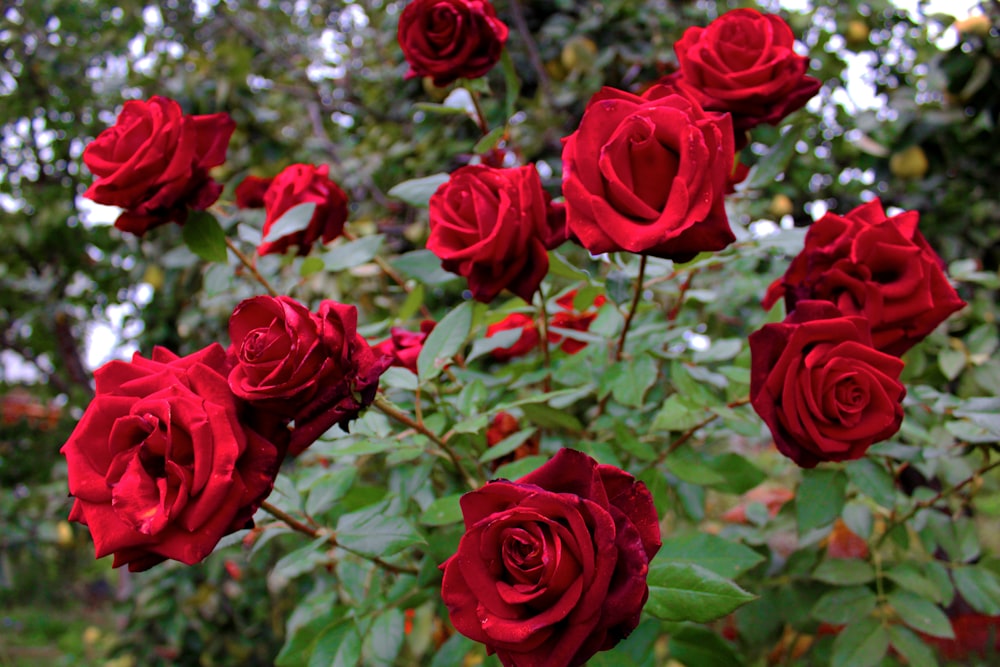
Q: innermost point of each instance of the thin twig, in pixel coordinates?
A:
(533, 56)
(632, 308)
(391, 411)
(392, 274)
(331, 538)
(484, 126)
(543, 339)
(250, 267)
(685, 286)
(688, 434)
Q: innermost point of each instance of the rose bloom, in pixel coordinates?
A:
(648, 175)
(154, 163)
(820, 386)
(744, 63)
(527, 341)
(570, 318)
(504, 425)
(296, 184)
(312, 368)
(162, 463)
(872, 265)
(404, 346)
(450, 39)
(552, 567)
(492, 227)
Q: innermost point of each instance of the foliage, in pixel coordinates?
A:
(871, 562)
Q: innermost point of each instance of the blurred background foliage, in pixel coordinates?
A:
(908, 112)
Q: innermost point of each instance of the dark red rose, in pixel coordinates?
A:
(504, 425)
(570, 318)
(451, 39)
(876, 266)
(492, 227)
(552, 568)
(296, 184)
(404, 346)
(527, 342)
(648, 175)
(744, 62)
(312, 368)
(820, 386)
(162, 464)
(154, 163)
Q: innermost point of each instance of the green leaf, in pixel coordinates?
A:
(724, 558)
(453, 651)
(920, 614)
(384, 639)
(443, 511)
(441, 109)
(203, 235)
(911, 647)
(909, 577)
(489, 140)
(843, 605)
(337, 646)
(844, 572)
(444, 341)
(369, 531)
(301, 644)
(679, 414)
(418, 191)
(873, 480)
(689, 592)
(980, 587)
(518, 469)
(951, 362)
(630, 381)
(776, 161)
(512, 83)
(328, 489)
(298, 562)
(353, 253)
(687, 465)
(414, 300)
(507, 445)
(693, 645)
(860, 644)
(820, 498)
(291, 221)
(560, 266)
(739, 475)
(547, 417)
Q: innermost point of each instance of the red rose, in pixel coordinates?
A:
(311, 368)
(491, 226)
(162, 464)
(525, 344)
(648, 175)
(154, 163)
(297, 184)
(504, 425)
(552, 568)
(744, 63)
(450, 39)
(872, 265)
(820, 386)
(572, 319)
(403, 346)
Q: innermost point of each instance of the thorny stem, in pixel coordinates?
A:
(250, 267)
(392, 274)
(331, 538)
(632, 308)
(391, 411)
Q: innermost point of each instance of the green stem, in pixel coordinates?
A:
(543, 339)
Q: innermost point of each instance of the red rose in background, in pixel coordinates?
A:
(450, 39)
(527, 342)
(876, 266)
(312, 368)
(504, 425)
(820, 386)
(744, 63)
(154, 163)
(404, 346)
(552, 568)
(492, 227)
(296, 184)
(648, 175)
(570, 318)
(162, 464)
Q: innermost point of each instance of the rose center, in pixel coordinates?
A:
(254, 345)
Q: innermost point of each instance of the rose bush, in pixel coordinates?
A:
(451, 39)
(154, 162)
(821, 387)
(295, 185)
(648, 175)
(874, 265)
(164, 462)
(744, 63)
(491, 226)
(552, 568)
(313, 368)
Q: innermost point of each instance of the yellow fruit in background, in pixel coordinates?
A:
(554, 68)
(154, 276)
(578, 53)
(978, 26)
(64, 534)
(909, 163)
(857, 33)
(781, 205)
(91, 635)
